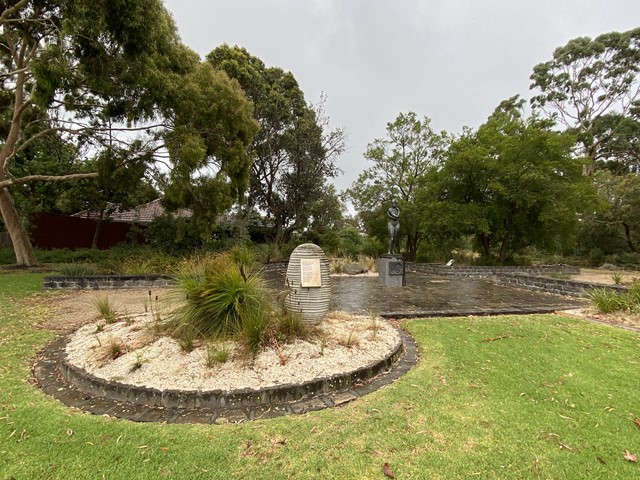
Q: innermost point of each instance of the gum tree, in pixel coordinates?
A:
(106, 75)
(511, 184)
(294, 152)
(587, 79)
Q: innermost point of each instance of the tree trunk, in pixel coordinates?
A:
(412, 246)
(25, 255)
(96, 232)
(627, 234)
(279, 232)
(486, 244)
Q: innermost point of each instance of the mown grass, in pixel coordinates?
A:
(502, 397)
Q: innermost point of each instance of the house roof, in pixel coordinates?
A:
(141, 214)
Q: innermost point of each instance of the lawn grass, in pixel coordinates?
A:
(537, 396)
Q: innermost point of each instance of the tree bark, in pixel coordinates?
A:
(25, 255)
(412, 246)
(627, 234)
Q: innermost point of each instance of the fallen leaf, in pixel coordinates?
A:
(279, 441)
(630, 456)
(386, 469)
(164, 449)
(637, 422)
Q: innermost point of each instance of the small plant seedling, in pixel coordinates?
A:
(352, 340)
(216, 355)
(128, 319)
(115, 348)
(99, 327)
(138, 362)
(617, 278)
(105, 308)
(323, 344)
(374, 324)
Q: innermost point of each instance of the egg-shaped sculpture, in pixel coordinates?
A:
(309, 283)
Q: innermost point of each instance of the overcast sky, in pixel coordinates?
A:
(450, 60)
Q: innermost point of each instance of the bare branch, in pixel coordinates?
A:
(46, 178)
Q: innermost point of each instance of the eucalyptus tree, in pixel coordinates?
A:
(294, 152)
(107, 75)
(588, 79)
(401, 160)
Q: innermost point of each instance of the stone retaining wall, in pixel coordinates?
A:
(570, 288)
(486, 271)
(527, 277)
(107, 282)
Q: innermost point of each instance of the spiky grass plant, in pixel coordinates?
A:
(105, 308)
(605, 300)
(217, 354)
(221, 296)
(76, 269)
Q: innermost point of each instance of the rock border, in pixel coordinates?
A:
(71, 386)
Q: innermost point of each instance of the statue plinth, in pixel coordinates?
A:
(391, 270)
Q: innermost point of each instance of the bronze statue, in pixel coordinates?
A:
(393, 225)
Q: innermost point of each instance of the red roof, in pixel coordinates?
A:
(141, 214)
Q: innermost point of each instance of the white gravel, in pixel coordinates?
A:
(158, 361)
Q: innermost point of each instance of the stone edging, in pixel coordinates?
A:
(528, 278)
(142, 404)
(107, 282)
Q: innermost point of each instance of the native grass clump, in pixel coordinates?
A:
(222, 297)
(609, 301)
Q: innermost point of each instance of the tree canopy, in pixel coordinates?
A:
(294, 153)
(510, 184)
(114, 75)
(588, 79)
(400, 161)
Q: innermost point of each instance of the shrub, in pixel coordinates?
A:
(608, 301)
(76, 269)
(221, 296)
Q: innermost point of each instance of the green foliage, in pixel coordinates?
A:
(293, 153)
(620, 207)
(98, 72)
(173, 235)
(588, 79)
(220, 296)
(76, 269)
(217, 354)
(400, 163)
(607, 300)
(511, 184)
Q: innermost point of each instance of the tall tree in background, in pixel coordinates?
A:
(400, 161)
(294, 152)
(511, 184)
(621, 194)
(588, 79)
(83, 70)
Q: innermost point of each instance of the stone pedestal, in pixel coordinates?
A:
(391, 271)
